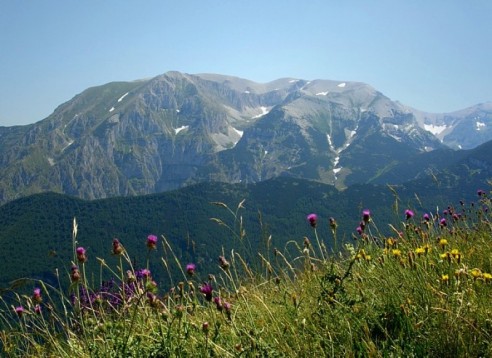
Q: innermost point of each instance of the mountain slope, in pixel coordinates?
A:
(464, 129)
(343, 132)
(148, 136)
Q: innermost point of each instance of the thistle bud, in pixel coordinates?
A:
(223, 263)
(117, 247)
(75, 274)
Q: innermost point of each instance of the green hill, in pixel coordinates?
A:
(35, 232)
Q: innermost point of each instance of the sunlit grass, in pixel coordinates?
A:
(422, 291)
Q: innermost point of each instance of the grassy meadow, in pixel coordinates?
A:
(424, 290)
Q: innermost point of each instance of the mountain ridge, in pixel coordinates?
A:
(175, 129)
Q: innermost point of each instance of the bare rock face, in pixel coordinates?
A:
(132, 138)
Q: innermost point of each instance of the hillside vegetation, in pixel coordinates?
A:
(422, 290)
(184, 217)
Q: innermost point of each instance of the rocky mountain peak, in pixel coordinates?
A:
(145, 136)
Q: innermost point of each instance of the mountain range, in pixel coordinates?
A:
(176, 129)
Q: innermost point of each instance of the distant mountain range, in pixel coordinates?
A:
(164, 133)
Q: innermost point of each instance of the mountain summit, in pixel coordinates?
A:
(146, 136)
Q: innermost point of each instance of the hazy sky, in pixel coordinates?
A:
(433, 55)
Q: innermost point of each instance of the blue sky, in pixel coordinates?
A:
(433, 55)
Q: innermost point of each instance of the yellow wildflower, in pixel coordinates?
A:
(390, 242)
(443, 242)
(445, 278)
(455, 253)
(419, 251)
(396, 252)
(487, 276)
(476, 273)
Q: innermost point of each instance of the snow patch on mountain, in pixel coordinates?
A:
(322, 93)
(335, 172)
(264, 111)
(341, 85)
(434, 129)
(112, 109)
(395, 137)
(238, 131)
(330, 143)
(345, 145)
(479, 125)
(68, 145)
(121, 98)
(177, 130)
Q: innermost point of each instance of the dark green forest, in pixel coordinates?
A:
(36, 231)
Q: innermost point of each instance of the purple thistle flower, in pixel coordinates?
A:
(37, 309)
(207, 290)
(227, 309)
(443, 222)
(409, 214)
(312, 218)
(151, 242)
(190, 269)
(81, 257)
(359, 230)
(426, 217)
(84, 296)
(19, 310)
(36, 295)
(143, 274)
(218, 303)
(480, 192)
(227, 306)
(366, 215)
